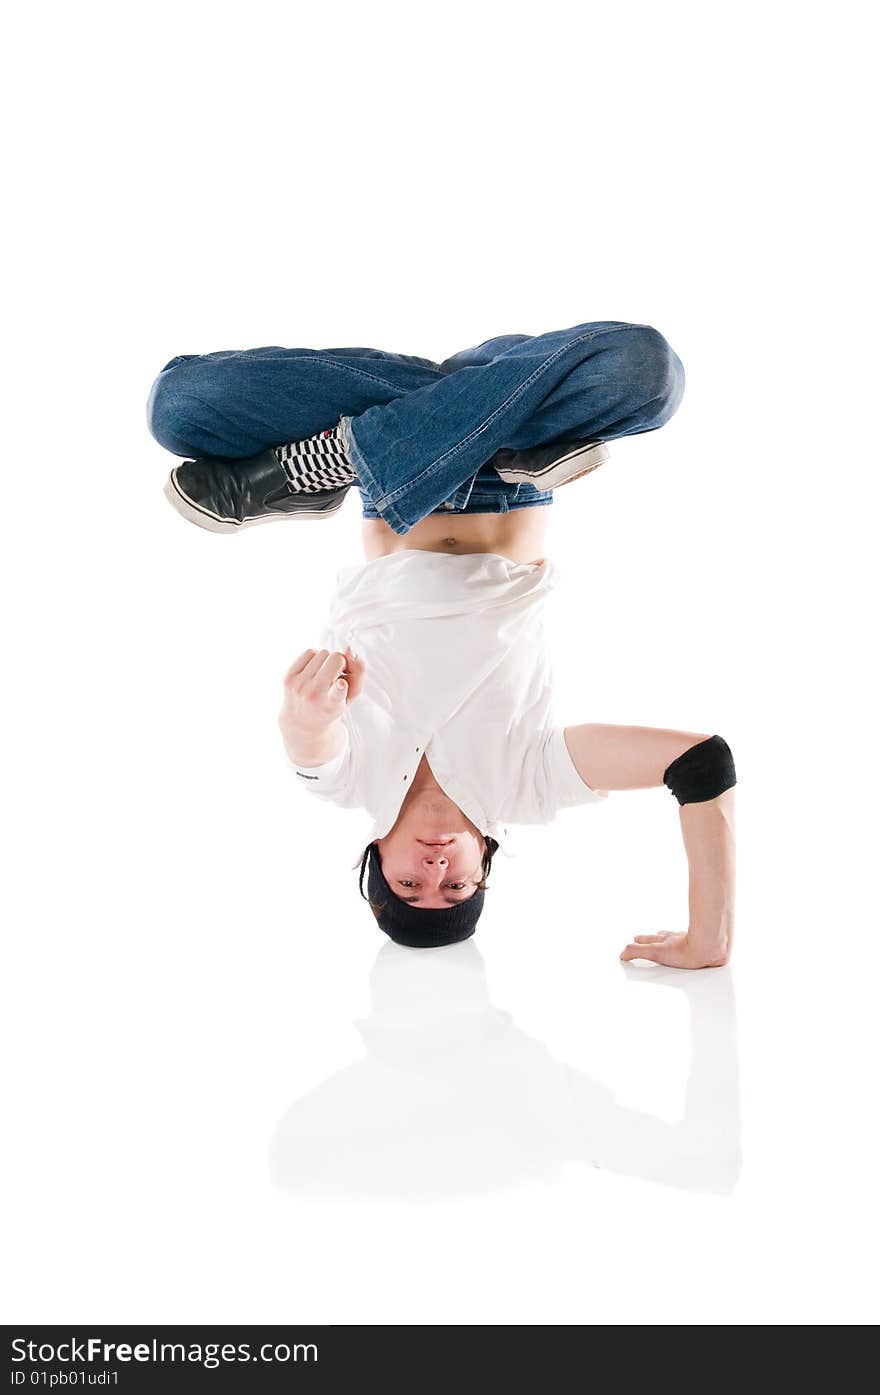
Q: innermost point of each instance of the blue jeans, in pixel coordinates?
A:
(421, 434)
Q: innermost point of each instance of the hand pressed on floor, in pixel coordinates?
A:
(676, 951)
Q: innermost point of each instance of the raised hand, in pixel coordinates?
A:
(317, 687)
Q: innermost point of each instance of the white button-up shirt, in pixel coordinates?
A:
(456, 669)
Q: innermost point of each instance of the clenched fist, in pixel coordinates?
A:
(317, 687)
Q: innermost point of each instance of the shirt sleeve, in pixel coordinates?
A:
(547, 781)
(334, 780)
(565, 787)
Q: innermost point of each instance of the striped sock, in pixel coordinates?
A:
(319, 462)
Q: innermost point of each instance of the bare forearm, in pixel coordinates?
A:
(312, 747)
(318, 688)
(709, 839)
(624, 758)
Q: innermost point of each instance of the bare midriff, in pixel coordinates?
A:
(518, 534)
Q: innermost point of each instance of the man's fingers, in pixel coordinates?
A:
(298, 664)
(319, 670)
(356, 665)
(331, 669)
(641, 951)
(313, 667)
(355, 671)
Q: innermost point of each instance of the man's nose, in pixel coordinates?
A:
(432, 859)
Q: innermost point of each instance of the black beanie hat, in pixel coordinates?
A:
(419, 929)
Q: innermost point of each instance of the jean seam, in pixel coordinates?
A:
(452, 514)
(333, 363)
(365, 478)
(470, 489)
(470, 510)
(542, 368)
(370, 377)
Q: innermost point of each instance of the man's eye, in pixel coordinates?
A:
(453, 886)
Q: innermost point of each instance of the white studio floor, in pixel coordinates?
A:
(231, 1111)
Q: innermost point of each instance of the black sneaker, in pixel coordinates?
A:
(226, 495)
(548, 467)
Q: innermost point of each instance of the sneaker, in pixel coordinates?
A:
(226, 495)
(548, 467)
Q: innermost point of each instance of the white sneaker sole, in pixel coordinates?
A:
(214, 524)
(568, 467)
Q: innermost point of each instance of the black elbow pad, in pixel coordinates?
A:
(702, 773)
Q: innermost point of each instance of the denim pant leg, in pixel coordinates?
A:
(234, 403)
(595, 381)
(237, 402)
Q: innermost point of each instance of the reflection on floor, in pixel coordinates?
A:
(453, 1099)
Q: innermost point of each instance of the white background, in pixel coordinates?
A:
(221, 1106)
